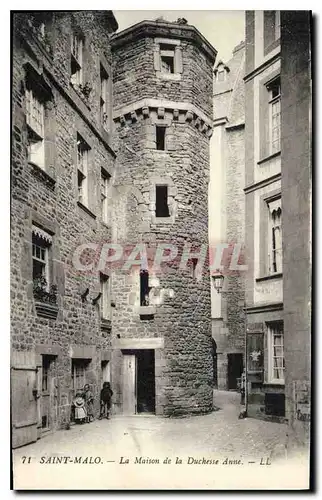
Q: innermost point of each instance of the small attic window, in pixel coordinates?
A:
(221, 75)
(221, 72)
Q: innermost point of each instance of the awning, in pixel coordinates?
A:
(42, 234)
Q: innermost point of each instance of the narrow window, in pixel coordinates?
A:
(105, 297)
(82, 169)
(144, 287)
(221, 75)
(275, 237)
(105, 180)
(161, 201)
(41, 243)
(167, 58)
(105, 371)
(76, 62)
(194, 265)
(276, 350)
(79, 367)
(35, 114)
(275, 116)
(277, 24)
(160, 137)
(104, 98)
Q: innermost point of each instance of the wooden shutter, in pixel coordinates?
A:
(25, 394)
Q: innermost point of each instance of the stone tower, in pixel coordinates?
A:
(161, 327)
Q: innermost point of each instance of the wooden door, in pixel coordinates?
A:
(25, 392)
(129, 384)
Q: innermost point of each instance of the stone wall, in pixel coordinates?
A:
(184, 383)
(296, 205)
(50, 199)
(228, 327)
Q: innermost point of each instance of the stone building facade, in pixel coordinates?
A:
(277, 193)
(89, 168)
(296, 155)
(163, 118)
(61, 149)
(227, 215)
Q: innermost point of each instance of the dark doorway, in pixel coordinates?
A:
(145, 381)
(235, 369)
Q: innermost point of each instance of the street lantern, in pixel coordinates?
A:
(218, 280)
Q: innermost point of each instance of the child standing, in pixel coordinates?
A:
(89, 403)
(79, 406)
(106, 396)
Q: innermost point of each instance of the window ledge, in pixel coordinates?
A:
(106, 325)
(273, 384)
(147, 310)
(81, 96)
(269, 277)
(42, 175)
(169, 76)
(269, 157)
(162, 220)
(87, 210)
(105, 134)
(48, 311)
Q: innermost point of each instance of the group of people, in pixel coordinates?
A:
(83, 403)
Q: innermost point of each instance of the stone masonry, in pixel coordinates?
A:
(181, 102)
(64, 327)
(48, 197)
(227, 209)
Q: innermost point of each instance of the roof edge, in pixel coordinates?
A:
(163, 29)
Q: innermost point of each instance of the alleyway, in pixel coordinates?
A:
(216, 436)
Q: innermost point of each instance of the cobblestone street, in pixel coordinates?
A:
(217, 436)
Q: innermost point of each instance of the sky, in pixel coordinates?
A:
(223, 29)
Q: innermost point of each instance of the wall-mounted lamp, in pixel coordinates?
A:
(84, 295)
(94, 301)
(218, 280)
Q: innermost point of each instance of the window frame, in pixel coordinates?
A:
(82, 173)
(36, 128)
(105, 301)
(275, 329)
(105, 178)
(162, 127)
(167, 201)
(42, 240)
(272, 227)
(277, 26)
(76, 57)
(168, 48)
(82, 363)
(273, 100)
(104, 98)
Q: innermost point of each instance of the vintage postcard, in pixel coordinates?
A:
(161, 213)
